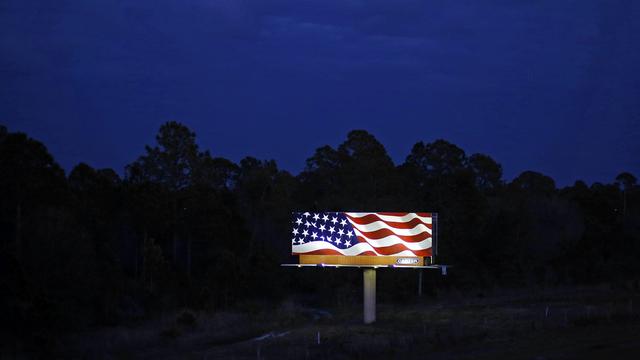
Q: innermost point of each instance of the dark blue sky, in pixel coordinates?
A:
(551, 86)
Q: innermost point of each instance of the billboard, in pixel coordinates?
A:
(364, 238)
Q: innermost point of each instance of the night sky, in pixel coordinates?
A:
(551, 86)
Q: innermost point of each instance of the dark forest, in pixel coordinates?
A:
(181, 231)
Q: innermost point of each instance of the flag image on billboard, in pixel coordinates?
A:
(365, 234)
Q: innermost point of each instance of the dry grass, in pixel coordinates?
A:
(495, 324)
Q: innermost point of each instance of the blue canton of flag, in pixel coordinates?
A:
(331, 227)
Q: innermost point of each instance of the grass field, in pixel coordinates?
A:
(572, 323)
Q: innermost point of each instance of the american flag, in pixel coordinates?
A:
(362, 233)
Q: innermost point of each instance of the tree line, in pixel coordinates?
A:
(183, 228)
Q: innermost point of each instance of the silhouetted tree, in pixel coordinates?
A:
(358, 175)
(367, 173)
(444, 183)
(534, 183)
(265, 198)
(439, 158)
(487, 172)
(626, 181)
(30, 178)
(171, 165)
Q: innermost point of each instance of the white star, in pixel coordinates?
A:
(322, 238)
(338, 241)
(300, 241)
(325, 217)
(322, 227)
(348, 243)
(307, 224)
(316, 217)
(340, 232)
(299, 221)
(329, 238)
(334, 220)
(293, 241)
(314, 225)
(306, 214)
(332, 230)
(305, 233)
(314, 235)
(343, 222)
(350, 234)
(295, 231)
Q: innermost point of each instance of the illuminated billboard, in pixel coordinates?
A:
(384, 238)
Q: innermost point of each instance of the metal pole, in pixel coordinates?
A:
(369, 295)
(420, 282)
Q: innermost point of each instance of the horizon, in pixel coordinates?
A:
(121, 170)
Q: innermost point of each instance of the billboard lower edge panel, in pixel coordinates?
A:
(363, 260)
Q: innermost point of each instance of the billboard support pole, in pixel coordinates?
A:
(369, 276)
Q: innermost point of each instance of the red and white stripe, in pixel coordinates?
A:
(394, 234)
